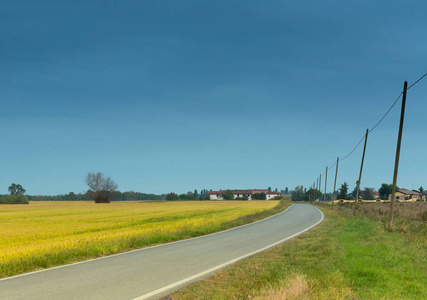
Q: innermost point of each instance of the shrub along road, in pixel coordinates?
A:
(153, 272)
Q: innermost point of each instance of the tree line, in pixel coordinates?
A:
(203, 195)
(116, 196)
(303, 194)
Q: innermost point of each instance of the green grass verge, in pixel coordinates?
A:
(342, 258)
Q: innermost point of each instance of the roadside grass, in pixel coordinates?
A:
(47, 234)
(342, 258)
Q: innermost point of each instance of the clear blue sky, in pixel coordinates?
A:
(181, 95)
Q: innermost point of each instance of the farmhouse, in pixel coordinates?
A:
(408, 195)
(245, 194)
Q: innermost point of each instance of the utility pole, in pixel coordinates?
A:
(360, 174)
(335, 183)
(396, 164)
(314, 191)
(326, 179)
(317, 185)
(320, 186)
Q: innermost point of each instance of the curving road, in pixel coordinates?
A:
(151, 273)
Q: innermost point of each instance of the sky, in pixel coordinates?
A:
(172, 96)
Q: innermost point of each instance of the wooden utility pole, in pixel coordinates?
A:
(360, 174)
(317, 185)
(312, 190)
(335, 183)
(396, 164)
(326, 179)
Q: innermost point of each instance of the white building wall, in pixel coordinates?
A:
(271, 196)
(215, 197)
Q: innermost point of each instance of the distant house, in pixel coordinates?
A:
(376, 194)
(245, 194)
(408, 195)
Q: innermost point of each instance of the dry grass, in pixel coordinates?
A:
(296, 288)
(409, 218)
(415, 211)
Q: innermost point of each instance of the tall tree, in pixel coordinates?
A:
(100, 187)
(343, 191)
(204, 194)
(354, 192)
(385, 190)
(16, 189)
(298, 193)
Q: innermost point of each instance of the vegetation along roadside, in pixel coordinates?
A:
(345, 257)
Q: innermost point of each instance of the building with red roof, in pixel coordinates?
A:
(245, 194)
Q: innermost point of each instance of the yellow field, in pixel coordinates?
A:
(44, 234)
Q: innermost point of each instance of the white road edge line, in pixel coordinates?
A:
(188, 279)
(140, 249)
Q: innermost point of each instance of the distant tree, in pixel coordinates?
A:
(286, 190)
(228, 195)
(101, 188)
(16, 189)
(188, 196)
(313, 194)
(71, 196)
(204, 194)
(421, 190)
(368, 194)
(259, 196)
(269, 189)
(183, 197)
(171, 197)
(354, 192)
(385, 190)
(196, 195)
(298, 193)
(343, 191)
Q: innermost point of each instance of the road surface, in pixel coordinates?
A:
(151, 273)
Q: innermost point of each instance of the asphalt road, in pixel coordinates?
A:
(151, 273)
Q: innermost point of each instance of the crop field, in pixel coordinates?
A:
(45, 234)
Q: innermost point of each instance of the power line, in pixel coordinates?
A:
(379, 122)
(341, 159)
(417, 81)
(386, 113)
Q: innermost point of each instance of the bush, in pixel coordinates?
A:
(14, 199)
